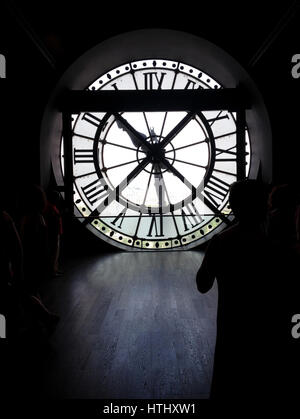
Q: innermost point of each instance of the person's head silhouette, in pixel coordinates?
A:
(248, 201)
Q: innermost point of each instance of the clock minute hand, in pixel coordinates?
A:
(172, 134)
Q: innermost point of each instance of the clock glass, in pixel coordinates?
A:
(154, 180)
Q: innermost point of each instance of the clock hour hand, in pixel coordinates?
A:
(138, 139)
(193, 189)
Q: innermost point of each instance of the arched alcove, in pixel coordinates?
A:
(168, 45)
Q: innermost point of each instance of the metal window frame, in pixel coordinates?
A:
(75, 101)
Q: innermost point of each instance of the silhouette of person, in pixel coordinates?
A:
(240, 258)
(33, 232)
(25, 316)
(298, 225)
(34, 237)
(283, 230)
(53, 221)
(10, 308)
(11, 272)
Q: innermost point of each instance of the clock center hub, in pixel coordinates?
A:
(157, 154)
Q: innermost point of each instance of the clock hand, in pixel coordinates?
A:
(158, 176)
(172, 134)
(136, 137)
(214, 209)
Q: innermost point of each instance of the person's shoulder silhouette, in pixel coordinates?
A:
(240, 259)
(231, 251)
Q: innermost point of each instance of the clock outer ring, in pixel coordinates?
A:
(166, 44)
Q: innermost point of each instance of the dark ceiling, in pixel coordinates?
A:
(70, 28)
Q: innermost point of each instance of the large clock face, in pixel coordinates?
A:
(154, 180)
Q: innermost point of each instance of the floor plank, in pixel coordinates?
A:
(133, 325)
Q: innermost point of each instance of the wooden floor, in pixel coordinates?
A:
(133, 326)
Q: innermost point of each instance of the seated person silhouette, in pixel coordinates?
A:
(240, 259)
(283, 230)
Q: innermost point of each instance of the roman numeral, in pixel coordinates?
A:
(95, 190)
(157, 225)
(216, 190)
(91, 119)
(193, 218)
(191, 84)
(119, 218)
(151, 77)
(83, 156)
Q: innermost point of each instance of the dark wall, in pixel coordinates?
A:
(66, 31)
